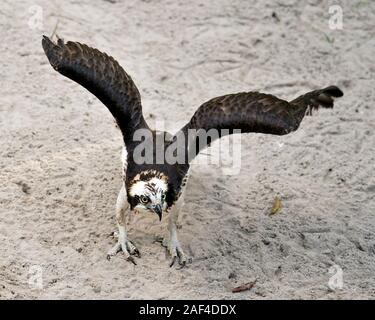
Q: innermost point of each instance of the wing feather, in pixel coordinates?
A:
(253, 112)
(104, 77)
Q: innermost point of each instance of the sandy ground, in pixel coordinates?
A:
(60, 167)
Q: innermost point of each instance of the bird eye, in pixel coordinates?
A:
(163, 196)
(144, 199)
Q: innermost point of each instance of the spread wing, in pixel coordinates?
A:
(252, 112)
(104, 77)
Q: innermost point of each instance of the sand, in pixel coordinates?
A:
(60, 167)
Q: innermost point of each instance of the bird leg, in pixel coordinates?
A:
(172, 244)
(174, 247)
(123, 243)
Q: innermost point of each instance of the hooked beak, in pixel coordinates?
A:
(158, 210)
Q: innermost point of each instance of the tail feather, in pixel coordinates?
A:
(315, 99)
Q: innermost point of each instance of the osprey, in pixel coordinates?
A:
(158, 186)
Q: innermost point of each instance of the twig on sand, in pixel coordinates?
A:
(244, 287)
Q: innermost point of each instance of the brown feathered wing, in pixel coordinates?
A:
(252, 112)
(104, 77)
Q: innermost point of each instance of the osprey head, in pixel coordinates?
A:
(147, 191)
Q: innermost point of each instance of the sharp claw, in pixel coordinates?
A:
(137, 253)
(126, 249)
(159, 239)
(113, 234)
(181, 258)
(131, 259)
(173, 261)
(134, 251)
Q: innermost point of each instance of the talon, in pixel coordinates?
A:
(137, 253)
(132, 249)
(181, 257)
(159, 239)
(127, 247)
(164, 243)
(131, 259)
(176, 252)
(173, 261)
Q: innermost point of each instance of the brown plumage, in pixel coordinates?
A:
(102, 76)
(256, 112)
(158, 185)
(245, 111)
